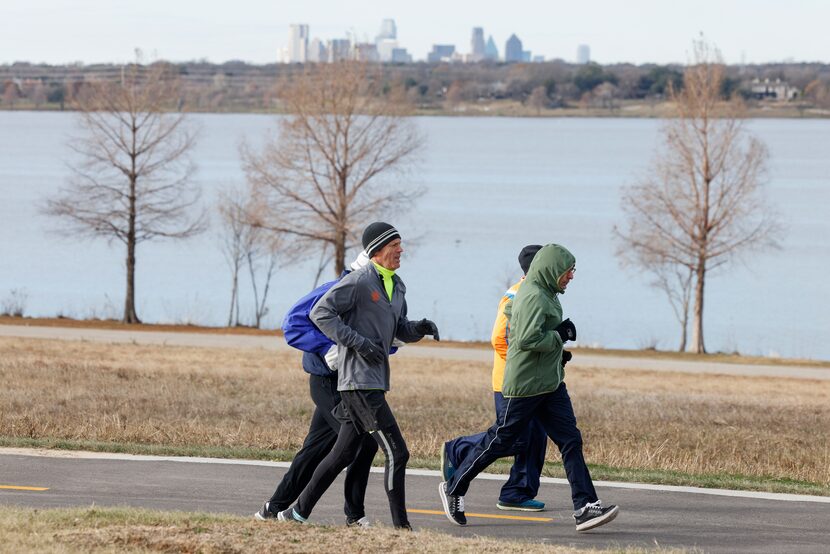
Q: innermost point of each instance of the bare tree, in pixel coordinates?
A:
(455, 94)
(246, 245)
(234, 237)
(700, 205)
(332, 168)
(132, 183)
(538, 99)
(11, 94)
(818, 93)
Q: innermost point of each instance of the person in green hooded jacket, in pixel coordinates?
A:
(534, 387)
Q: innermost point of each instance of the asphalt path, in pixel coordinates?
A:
(680, 517)
(420, 350)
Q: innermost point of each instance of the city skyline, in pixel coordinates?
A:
(639, 31)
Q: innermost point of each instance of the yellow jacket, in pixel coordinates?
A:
(499, 337)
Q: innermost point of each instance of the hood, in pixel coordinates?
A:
(362, 260)
(550, 263)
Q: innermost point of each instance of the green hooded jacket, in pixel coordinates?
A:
(534, 351)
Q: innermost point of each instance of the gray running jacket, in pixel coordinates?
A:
(357, 309)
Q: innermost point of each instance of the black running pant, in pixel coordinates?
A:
(319, 441)
(366, 418)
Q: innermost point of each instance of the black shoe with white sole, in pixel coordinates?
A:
(362, 522)
(265, 512)
(594, 515)
(453, 505)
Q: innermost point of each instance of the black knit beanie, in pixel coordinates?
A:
(377, 235)
(526, 256)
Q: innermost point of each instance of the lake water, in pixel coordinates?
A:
(492, 186)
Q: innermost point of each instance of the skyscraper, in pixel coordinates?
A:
(491, 51)
(387, 41)
(513, 50)
(339, 49)
(440, 53)
(366, 52)
(385, 47)
(317, 51)
(388, 30)
(583, 54)
(477, 45)
(298, 43)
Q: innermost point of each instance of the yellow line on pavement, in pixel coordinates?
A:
(485, 516)
(16, 488)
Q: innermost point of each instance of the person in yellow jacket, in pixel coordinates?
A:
(519, 493)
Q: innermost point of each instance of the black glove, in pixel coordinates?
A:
(427, 327)
(566, 330)
(371, 352)
(566, 357)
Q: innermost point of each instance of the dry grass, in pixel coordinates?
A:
(115, 530)
(110, 324)
(768, 428)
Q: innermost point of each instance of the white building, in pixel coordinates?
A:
(386, 48)
(776, 90)
(298, 43)
(583, 54)
(317, 51)
(388, 30)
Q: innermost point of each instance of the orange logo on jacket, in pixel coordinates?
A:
(375, 296)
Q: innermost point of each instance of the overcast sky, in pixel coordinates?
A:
(637, 31)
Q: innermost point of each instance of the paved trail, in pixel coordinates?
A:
(709, 520)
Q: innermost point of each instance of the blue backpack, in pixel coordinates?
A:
(298, 329)
(300, 332)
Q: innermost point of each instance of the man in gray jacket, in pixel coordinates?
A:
(363, 313)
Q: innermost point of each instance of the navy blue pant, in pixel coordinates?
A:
(555, 413)
(529, 450)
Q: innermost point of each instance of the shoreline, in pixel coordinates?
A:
(515, 110)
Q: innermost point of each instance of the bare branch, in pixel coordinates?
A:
(132, 180)
(334, 166)
(701, 204)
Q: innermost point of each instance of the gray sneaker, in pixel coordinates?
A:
(291, 516)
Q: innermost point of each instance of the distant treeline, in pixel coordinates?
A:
(238, 86)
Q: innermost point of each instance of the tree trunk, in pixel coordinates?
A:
(234, 294)
(129, 302)
(684, 321)
(262, 309)
(697, 326)
(339, 252)
(683, 332)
